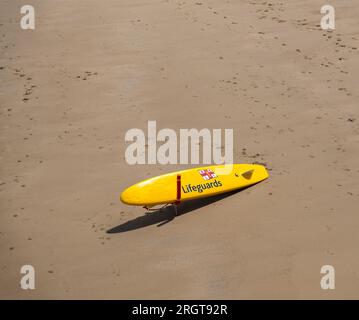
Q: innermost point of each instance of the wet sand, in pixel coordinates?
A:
(91, 70)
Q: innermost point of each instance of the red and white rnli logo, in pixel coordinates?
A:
(207, 174)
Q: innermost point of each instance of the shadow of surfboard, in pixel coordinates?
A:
(167, 214)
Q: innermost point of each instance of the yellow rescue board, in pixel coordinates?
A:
(194, 183)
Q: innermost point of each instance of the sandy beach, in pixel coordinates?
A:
(92, 70)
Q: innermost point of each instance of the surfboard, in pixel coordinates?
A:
(179, 186)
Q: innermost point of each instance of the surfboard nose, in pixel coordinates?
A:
(260, 172)
(253, 173)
